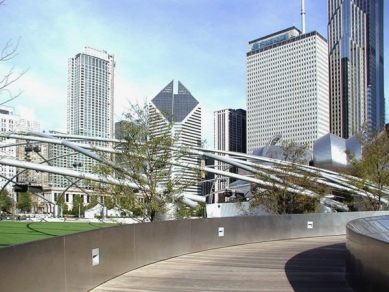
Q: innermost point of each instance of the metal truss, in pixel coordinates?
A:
(252, 165)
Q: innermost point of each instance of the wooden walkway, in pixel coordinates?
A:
(302, 265)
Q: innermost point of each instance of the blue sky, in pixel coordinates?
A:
(202, 43)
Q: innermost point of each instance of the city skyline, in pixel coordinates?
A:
(201, 43)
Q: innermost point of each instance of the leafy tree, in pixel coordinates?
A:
(93, 202)
(372, 168)
(289, 189)
(5, 201)
(61, 203)
(78, 206)
(182, 211)
(24, 201)
(146, 156)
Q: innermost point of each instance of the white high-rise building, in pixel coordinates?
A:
(90, 105)
(27, 121)
(287, 88)
(90, 94)
(32, 151)
(8, 122)
(184, 111)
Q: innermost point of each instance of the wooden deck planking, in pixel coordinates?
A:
(302, 265)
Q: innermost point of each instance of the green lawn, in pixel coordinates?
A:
(19, 232)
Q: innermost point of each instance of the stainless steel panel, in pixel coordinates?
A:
(266, 228)
(116, 256)
(65, 263)
(329, 151)
(368, 254)
(354, 146)
(161, 240)
(35, 267)
(205, 233)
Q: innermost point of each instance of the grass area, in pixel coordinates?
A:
(12, 232)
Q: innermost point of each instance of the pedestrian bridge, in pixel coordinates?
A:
(198, 254)
(307, 264)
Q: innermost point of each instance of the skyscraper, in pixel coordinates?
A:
(184, 111)
(287, 88)
(90, 94)
(230, 130)
(90, 98)
(356, 61)
(229, 135)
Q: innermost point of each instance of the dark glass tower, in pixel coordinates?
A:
(374, 10)
(175, 106)
(230, 130)
(356, 63)
(230, 134)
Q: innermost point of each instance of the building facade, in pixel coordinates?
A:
(356, 65)
(90, 105)
(287, 88)
(184, 112)
(8, 124)
(21, 151)
(31, 151)
(230, 130)
(229, 135)
(91, 94)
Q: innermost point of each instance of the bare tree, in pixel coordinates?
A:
(8, 53)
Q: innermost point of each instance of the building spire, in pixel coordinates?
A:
(303, 16)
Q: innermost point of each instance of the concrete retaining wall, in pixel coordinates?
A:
(67, 263)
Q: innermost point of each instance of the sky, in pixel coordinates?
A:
(202, 43)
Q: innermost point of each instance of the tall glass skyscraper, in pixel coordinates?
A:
(356, 65)
(90, 94)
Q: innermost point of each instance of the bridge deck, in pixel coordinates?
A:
(303, 265)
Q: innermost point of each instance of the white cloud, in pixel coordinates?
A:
(24, 112)
(46, 100)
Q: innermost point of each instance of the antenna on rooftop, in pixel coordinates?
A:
(303, 16)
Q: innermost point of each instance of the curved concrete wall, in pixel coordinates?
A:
(368, 254)
(68, 264)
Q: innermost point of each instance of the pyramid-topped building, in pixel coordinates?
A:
(177, 106)
(183, 110)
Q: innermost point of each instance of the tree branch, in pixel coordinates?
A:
(8, 53)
